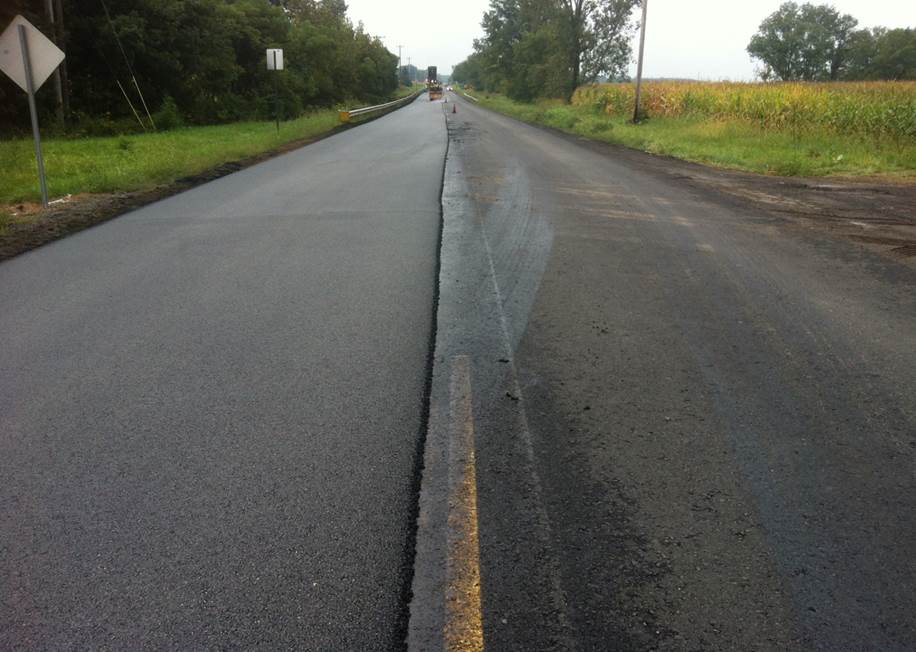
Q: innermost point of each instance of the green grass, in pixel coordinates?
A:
(727, 143)
(137, 162)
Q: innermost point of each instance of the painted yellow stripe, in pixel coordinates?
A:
(463, 623)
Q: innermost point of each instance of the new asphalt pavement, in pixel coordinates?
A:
(211, 407)
(610, 408)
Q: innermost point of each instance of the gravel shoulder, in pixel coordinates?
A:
(875, 212)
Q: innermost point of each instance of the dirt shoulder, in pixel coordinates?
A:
(874, 212)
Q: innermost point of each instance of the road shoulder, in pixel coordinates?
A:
(876, 213)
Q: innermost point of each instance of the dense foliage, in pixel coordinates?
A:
(881, 53)
(869, 109)
(203, 61)
(816, 43)
(546, 48)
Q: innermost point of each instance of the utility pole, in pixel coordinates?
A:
(61, 37)
(642, 45)
(399, 64)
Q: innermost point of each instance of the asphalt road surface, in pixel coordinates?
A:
(210, 408)
(658, 417)
(694, 423)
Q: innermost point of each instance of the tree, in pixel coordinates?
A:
(533, 48)
(880, 53)
(896, 55)
(806, 42)
(207, 57)
(862, 52)
(469, 72)
(599, 38)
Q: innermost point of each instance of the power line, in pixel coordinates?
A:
(130, 69)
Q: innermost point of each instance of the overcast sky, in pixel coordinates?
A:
(703, 39)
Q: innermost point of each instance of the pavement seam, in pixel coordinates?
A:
(431, 621)
(408, 566)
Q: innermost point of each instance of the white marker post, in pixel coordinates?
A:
(275, 62)
(29, 63)
(642, 45)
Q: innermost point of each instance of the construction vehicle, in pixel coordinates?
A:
(433, 87)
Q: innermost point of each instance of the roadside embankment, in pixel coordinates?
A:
(842, 129)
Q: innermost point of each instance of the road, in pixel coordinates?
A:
(694, 423)
(211, 407)
(655, 417)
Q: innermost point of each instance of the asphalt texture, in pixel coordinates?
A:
(695, 422)
(211, 407)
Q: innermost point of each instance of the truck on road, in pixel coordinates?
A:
(433, 87)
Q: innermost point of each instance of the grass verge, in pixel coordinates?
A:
(727, 143)
(138, 162)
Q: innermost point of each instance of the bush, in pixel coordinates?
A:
(560, 118)
(102, 125)
(168, 116)
(597, 125)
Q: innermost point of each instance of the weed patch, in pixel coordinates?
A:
(732, 140)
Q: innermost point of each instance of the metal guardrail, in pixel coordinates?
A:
(469, 96)
(345, 116)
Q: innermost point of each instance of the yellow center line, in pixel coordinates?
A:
(463, 622)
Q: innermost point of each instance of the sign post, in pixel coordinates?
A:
(275, 62)
(36, 134)
(28, 57)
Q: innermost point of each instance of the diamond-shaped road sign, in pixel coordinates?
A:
(43, 54)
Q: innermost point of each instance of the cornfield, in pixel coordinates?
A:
(870, 109)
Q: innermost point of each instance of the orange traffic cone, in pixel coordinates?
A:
(454, 108)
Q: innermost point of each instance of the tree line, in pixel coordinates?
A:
(547, 48)
(817, 43)
(201, 61)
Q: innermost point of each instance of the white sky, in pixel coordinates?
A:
(703, 39)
